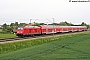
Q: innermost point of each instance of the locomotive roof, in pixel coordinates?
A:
(31, 27)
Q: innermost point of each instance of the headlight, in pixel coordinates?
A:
(17, 32)
(21, 32)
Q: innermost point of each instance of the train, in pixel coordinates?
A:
(47, 29)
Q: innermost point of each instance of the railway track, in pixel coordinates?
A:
(2, 41)
(11, 39)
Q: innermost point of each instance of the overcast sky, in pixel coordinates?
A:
(44, 11)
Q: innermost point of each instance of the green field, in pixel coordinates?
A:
(2, 36)
(0, 30)
(70, 47)
(6, 35)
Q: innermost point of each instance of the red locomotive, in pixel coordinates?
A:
(47, 29)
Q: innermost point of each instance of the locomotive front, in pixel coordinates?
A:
(28, 31)
(20, 31)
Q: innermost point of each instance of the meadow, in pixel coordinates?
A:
(68, 47)
(3, 36)
(0, 30)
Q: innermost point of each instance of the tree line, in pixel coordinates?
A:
(13, 26)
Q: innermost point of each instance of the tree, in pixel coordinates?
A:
(84, 24)
(12, 24)
(4, 27)
(63, 24)
(22, 24)
(9, 29)
(69, 24)
(41, 23)
(16, 23)
(36, 24)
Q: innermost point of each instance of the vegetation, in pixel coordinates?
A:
(84, 24)
(9, 28)
(36, 24)
(68, 47)
(3, 36)
(13, 26)
(0, 30)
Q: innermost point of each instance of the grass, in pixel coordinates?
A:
(0, 30)
(6, 35)
(8, 47)
(69, 47)
(3, 36)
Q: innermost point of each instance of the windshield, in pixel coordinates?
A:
(20, 28)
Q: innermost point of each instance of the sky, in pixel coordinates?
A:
(44, 11)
